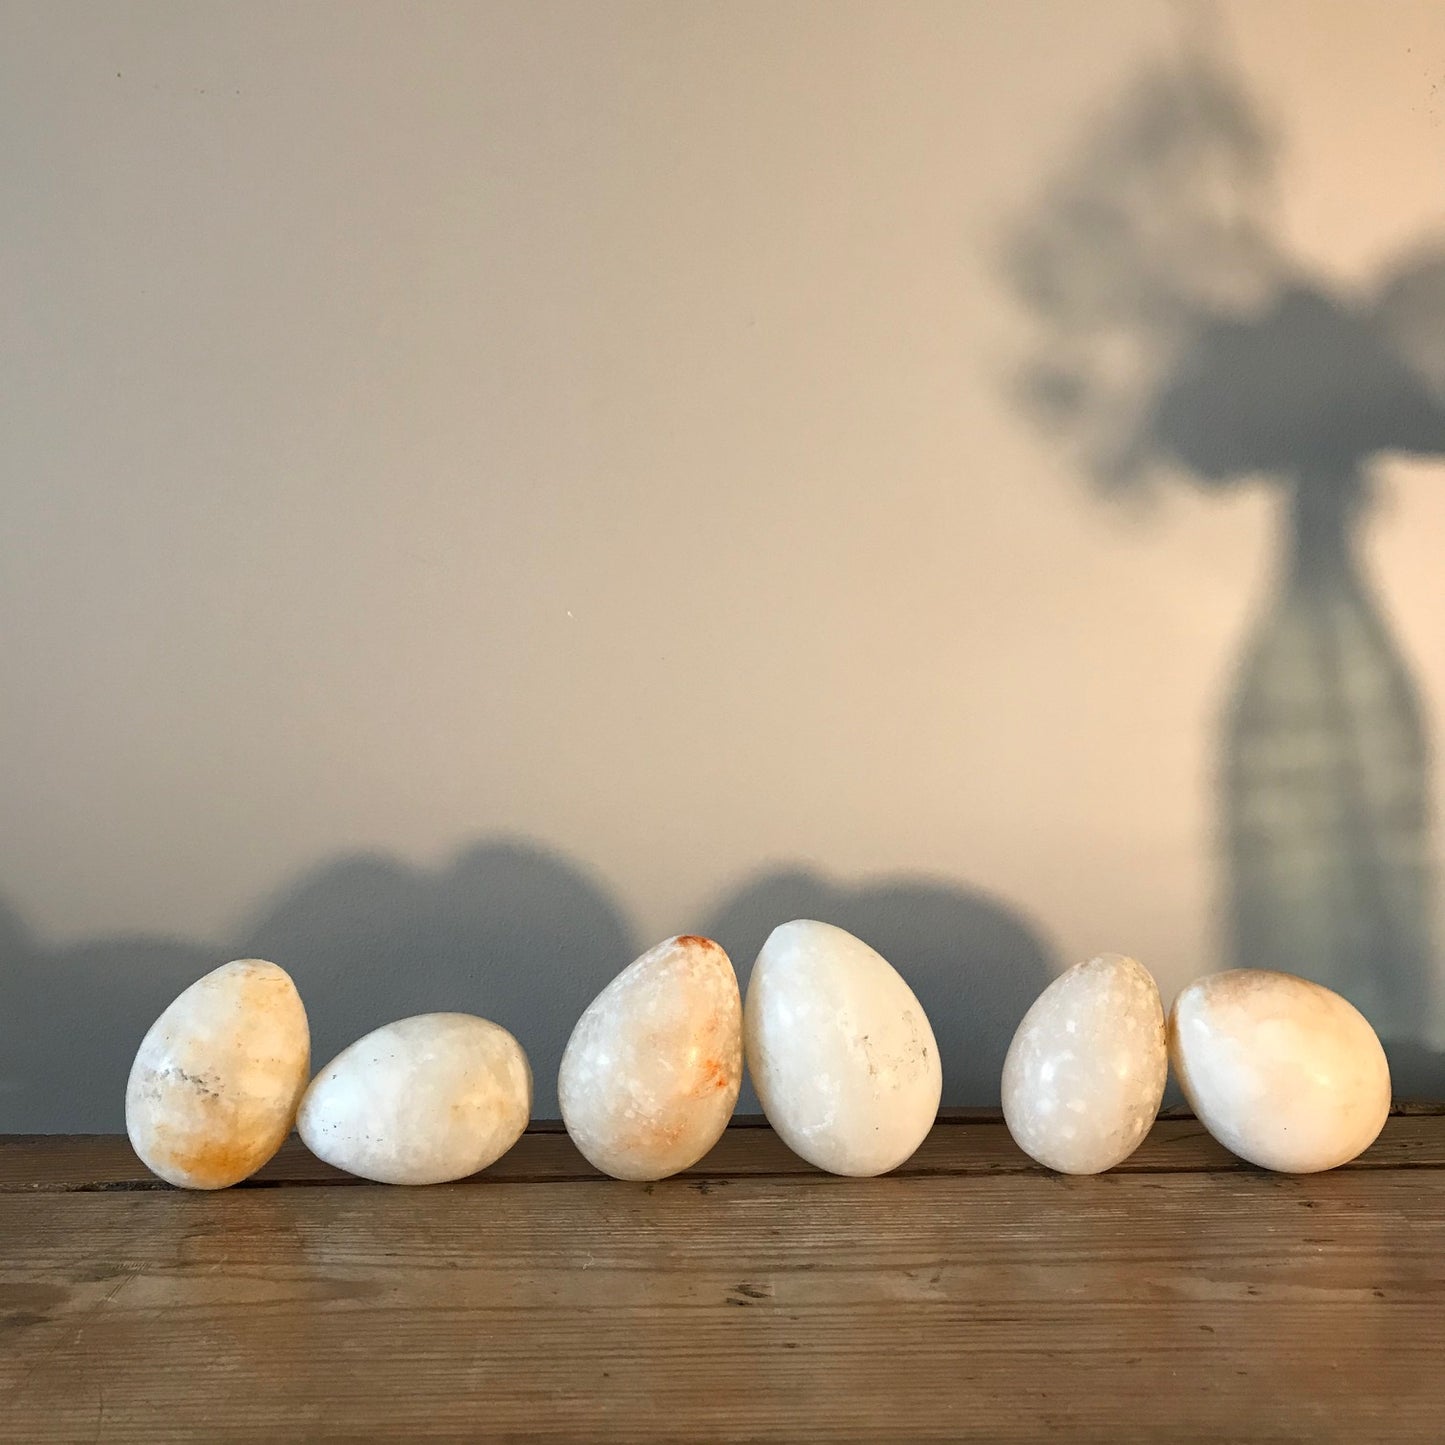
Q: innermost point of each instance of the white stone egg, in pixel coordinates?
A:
(213, 1090)
(651, 1073)
(840, 1050)
(1283, 1072)
(423, 1100)
(1086, 1070)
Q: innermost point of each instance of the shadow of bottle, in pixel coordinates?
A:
(1177, 336)
(1324, 759)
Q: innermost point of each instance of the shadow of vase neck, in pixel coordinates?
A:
(1324, 515)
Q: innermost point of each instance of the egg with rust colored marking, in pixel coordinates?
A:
(1085, 1073)
(652, 1071)
(422, 1100)
(214, 1087)
(841, 1052)
(1283, 1072)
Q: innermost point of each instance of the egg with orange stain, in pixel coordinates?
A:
(651, 1073)
(217, 1079)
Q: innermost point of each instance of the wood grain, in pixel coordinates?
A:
(972, 1301)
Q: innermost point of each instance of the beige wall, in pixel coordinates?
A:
(591, 424)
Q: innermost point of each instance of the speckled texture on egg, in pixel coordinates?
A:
(422, 1100)
(215, 1083)
(651, 1073)
(842, 1054)
(1086, 1070)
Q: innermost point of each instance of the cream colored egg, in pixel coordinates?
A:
(651, 1073)
(1085, 1073)
(840, 1050)
(1283, 1072)
(422, 1100)
(215, 1083)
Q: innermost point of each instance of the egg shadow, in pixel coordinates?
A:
(975, 964)
(1417, 1071)
(508, 930)
(71, 1018)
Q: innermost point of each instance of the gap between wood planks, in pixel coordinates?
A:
(965, 1143)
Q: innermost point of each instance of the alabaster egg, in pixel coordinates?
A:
(1283, 1072)
(651, 1073)
(215, 1083)
(840, 1050)
(1086, 1070)
(422, 1100)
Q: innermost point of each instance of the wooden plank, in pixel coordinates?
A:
(1225, 1305)
(958, 1145)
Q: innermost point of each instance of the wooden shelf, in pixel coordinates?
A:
(1184, 1296)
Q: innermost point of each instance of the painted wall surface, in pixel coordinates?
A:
(488, 486)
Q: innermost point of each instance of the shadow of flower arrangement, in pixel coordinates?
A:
(1175, 339)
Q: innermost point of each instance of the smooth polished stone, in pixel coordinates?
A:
(1086, 1070)
(422, 1100)
(1283, 1072)
(840, 1050)
(215, 1083)
(651, 1073)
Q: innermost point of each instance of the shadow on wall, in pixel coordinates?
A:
(519, 935)
(1176, 338)
(975, 965)
(509, 931)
